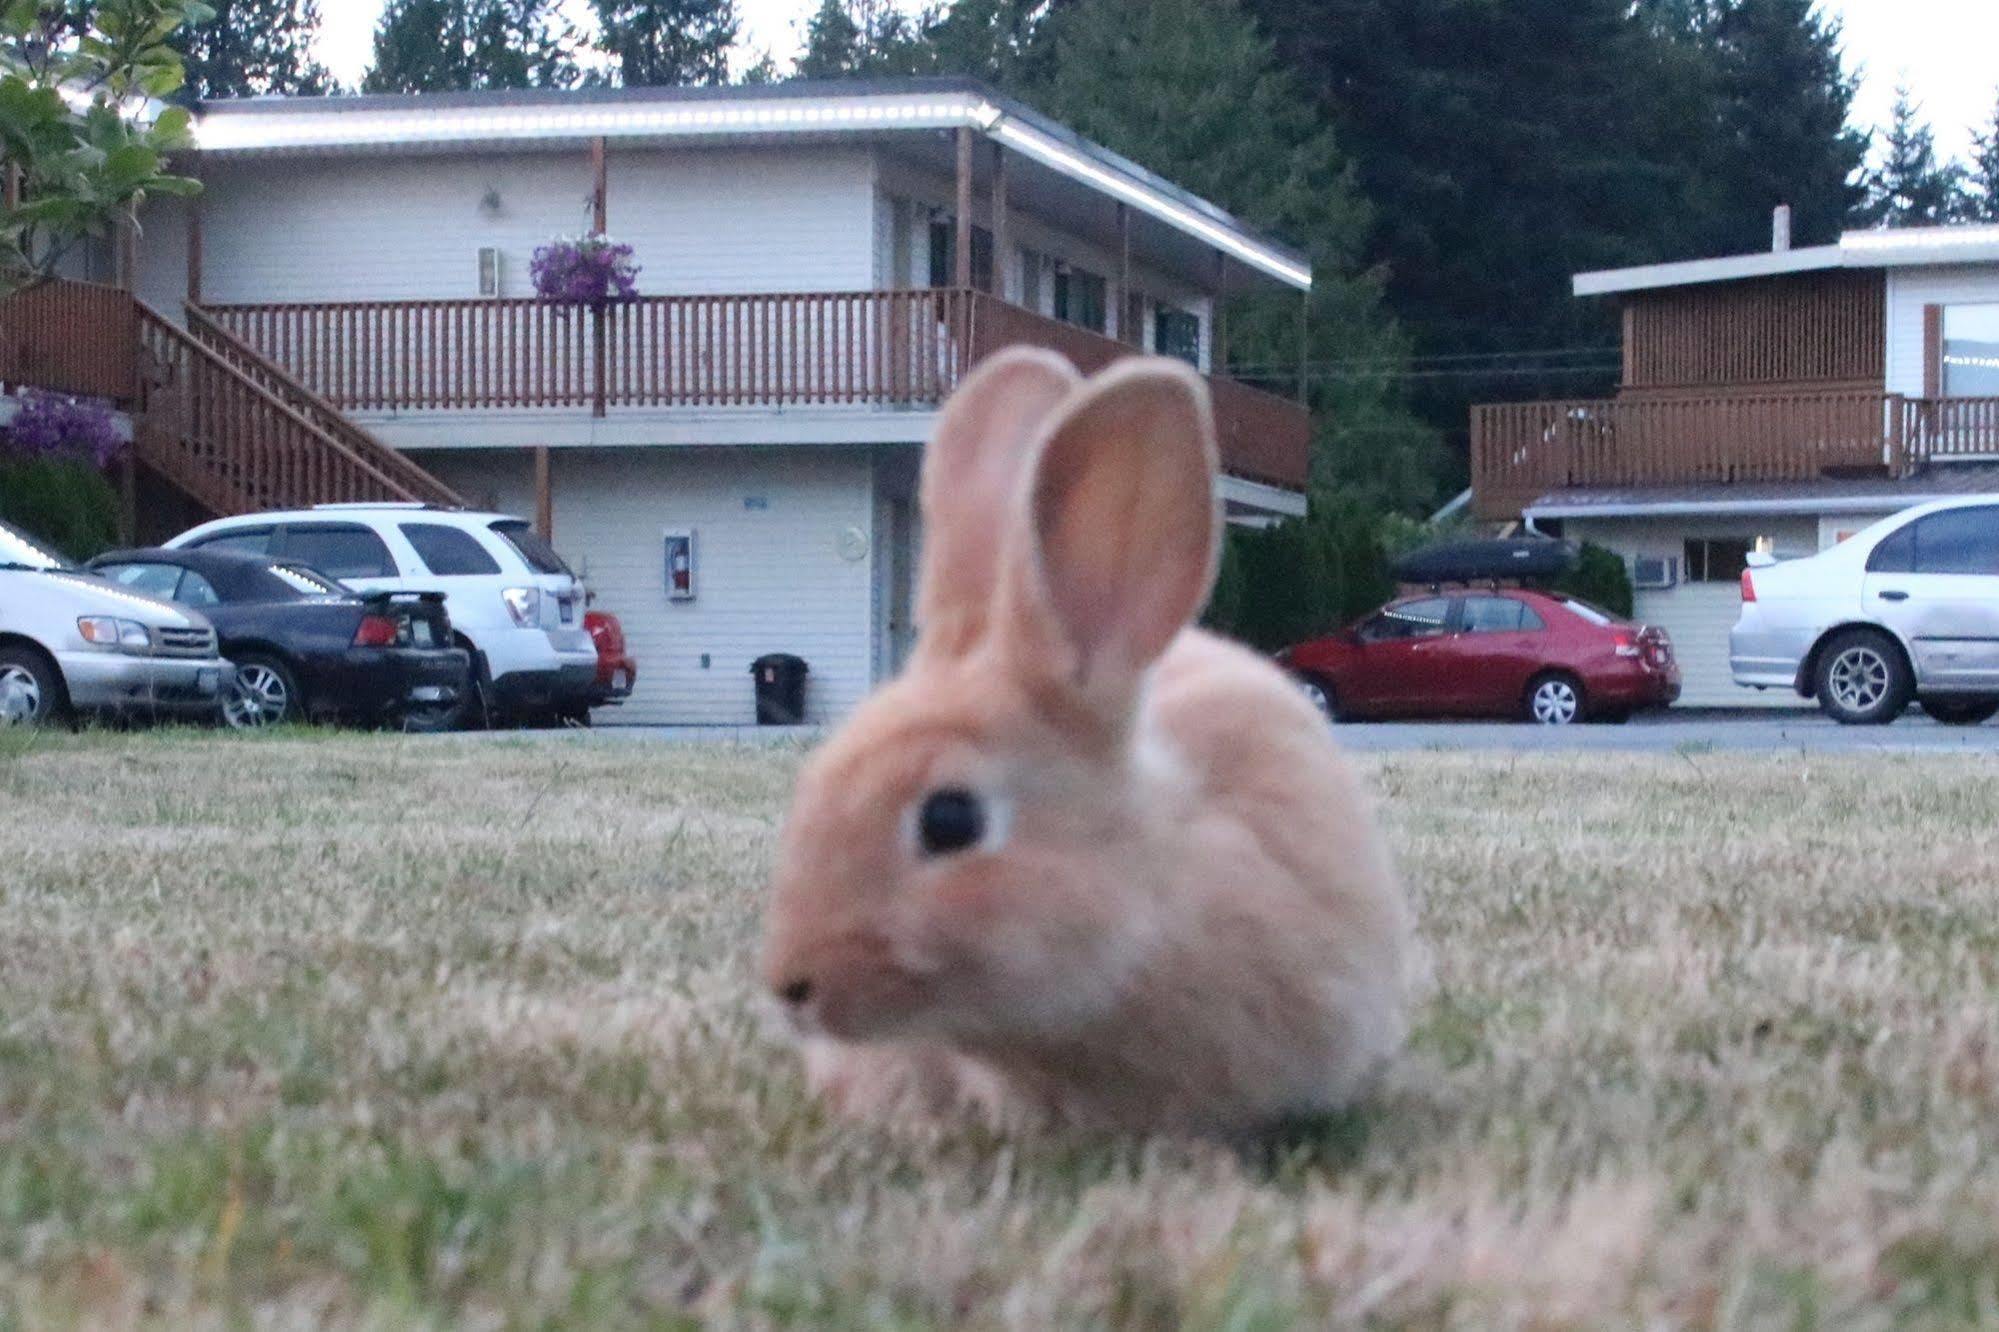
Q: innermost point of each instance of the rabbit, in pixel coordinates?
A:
(1082, 863)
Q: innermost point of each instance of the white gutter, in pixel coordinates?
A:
(1884, 247)
(1259, 495)
(1694, 508)
(220, 132)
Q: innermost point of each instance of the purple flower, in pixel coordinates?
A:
(593, 271)
(48, 425)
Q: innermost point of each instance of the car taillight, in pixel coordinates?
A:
(376, 631)
(1748, 586)
(1625, 645)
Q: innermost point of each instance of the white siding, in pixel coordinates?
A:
(1699, 616)
(1909, 290)
(768, 579)
(927, 192)
(389, 228)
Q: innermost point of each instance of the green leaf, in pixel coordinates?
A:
(180, 187)
(18, 18)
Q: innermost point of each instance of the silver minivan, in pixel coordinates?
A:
(71, 642)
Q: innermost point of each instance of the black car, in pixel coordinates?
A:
(304, 645)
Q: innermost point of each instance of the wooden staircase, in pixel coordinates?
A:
(210, 416)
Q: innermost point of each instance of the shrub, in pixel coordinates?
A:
(1599, 577)
(55, 425)
(63, 501)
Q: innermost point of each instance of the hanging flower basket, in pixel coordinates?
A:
(591, 271)
(55, 425)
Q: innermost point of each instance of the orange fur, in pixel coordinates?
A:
(1191, 921)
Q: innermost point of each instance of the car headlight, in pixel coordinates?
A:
(104, 631)
(524, 604)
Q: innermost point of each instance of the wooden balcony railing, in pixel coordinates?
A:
(1521, 451)
(870, 348)
(72, 337)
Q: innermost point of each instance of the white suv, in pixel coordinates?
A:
(1908, 608)
(512, 601)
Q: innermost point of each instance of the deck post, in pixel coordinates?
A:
(1304, 347)
(194, 241)
(544, 498)
(1218, 352)
(961, 266)
(1124, 334)
(1000, 263)
(599, 210)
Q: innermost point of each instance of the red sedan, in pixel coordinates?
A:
(1489, 653)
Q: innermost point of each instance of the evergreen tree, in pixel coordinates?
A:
(251, 48)
(456, 45)
(1909, 187)
(864, 39)
(667, 42)
(1191, 90)
(1781, 134)
(1981, 181)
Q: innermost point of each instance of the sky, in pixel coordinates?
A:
(1943, 50)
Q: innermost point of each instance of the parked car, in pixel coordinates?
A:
(71, 642)
(1906, 609)
(1498, 652)
(514, 605)
(306, 647)
(617, 673)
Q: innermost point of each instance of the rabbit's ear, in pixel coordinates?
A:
(971, 472)
(1116, 550)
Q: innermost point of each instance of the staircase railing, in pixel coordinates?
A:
(209, 426)
(416, 483)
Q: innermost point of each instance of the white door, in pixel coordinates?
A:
(1936, 583)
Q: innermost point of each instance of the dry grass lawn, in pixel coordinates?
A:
(374, 1030)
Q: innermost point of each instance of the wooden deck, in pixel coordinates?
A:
(1521, 451)
(879, 349)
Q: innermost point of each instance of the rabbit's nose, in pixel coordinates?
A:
(795, 992)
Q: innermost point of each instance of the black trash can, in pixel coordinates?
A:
(780, 682)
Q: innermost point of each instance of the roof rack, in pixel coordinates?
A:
(373, 504)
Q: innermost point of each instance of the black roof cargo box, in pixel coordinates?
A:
(1495, 560)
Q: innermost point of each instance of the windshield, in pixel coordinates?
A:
(1594, 614)
(19, 551)
(306, 582)
(541, 556)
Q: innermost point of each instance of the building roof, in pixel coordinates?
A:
(1827, 495)
(1895, 247)
(303, 125)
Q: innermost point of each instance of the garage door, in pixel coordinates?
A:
(1698, 616)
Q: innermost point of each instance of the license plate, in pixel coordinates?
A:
(207, 682)
(620, 681)
(568, 612)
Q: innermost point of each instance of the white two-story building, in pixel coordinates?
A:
(820, 263)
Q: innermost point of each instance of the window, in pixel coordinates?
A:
(153, 580)
(1717, 559)
(944, 255)
(1596, 615)
(197, 591)
(249, 540)
(541, 556)
(1079, 297)
(1894, 554)
(1499, 615)
(1971, 351)
(1958, 541)
(343, 551)
(1177, 333)
(1411, 619)
(449, 552)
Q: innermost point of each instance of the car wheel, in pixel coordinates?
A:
(264, 693)
(1555, 700)
(1862, 679)
(1962, 711)
(1320, 695)
(31, 689)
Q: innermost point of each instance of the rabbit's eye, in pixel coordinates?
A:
(950, 820)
